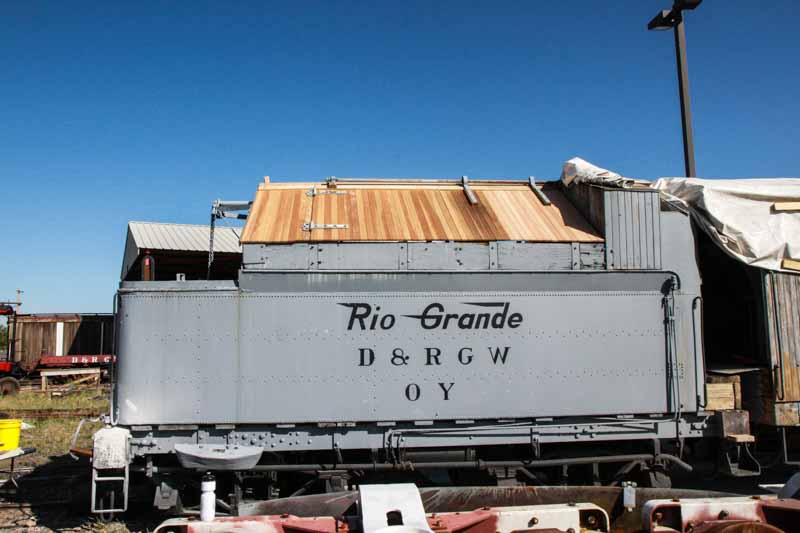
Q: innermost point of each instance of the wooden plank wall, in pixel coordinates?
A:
(35, 336)
(32, 340)
(783, 316)
(590, 201)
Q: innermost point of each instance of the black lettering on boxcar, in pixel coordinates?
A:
(446, 390)
(399, 358)
(495, 353)
(432, 356)
(412, 392)
(366, 356)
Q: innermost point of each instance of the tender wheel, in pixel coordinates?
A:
(8, 386)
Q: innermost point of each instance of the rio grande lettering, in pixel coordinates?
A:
(366, 318)
(435, 316)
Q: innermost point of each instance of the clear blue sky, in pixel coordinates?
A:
(114, 111)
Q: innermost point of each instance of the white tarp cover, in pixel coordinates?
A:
(579, 171)
(737, 214)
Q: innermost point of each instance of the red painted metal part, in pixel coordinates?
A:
(724, 515)
(276, 524)
(480, 521)
(65, 361)
(5, 367)
(730, 515)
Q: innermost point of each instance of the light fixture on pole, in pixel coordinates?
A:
(673, 18)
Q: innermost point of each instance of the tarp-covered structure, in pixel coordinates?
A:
(756, 221)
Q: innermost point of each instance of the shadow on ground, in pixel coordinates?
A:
(56, 496)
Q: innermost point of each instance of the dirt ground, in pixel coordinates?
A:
(53, 492)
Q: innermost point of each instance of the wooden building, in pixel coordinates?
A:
(38, 335)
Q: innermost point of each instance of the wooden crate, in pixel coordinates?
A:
(720, 396)
(723, 392)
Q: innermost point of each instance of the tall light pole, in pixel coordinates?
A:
(673, 18)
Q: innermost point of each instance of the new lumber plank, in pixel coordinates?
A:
(791, 264)
(786, 206)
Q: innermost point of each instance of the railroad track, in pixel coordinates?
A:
(49, 413)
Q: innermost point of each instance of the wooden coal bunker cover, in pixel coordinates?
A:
(405, 210)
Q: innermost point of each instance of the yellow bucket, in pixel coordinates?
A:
(9, 434)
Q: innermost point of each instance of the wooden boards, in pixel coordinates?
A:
(786, 206)
(723, 392)
(791, 264)
(278, 216)
(783, 327)
(412, 211)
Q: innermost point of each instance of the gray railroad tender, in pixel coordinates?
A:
(332, 358)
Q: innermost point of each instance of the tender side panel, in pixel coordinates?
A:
(231, 357)
(178, 357)
(439, 255)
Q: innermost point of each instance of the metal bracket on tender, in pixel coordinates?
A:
(223, 209)
(310, 226)
(335, 480)
(470, 194)
(537, 191)
(536, 448)
(318, 192)
(167, 498)
(228, 209)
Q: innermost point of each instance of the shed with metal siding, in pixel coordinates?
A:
(180, 248)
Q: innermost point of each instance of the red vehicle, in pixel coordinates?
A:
(10, 374)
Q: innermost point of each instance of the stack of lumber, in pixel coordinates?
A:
(723, 392)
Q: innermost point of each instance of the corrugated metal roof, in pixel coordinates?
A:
(402, 210)
(183, 237)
